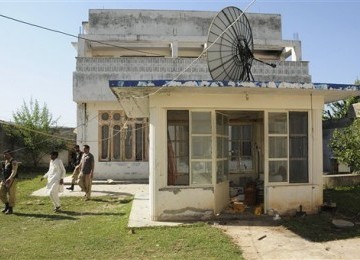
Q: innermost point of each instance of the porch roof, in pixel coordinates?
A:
(331, 91)
(133, 95)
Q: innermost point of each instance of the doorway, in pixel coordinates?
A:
(246, 161)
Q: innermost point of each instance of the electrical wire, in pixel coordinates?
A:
(70, 140)
(125, 48)
(132, 49)
(78, 37)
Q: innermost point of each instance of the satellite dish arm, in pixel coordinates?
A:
(267, 63)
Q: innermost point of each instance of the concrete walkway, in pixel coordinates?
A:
(139, 216)
(258, 240)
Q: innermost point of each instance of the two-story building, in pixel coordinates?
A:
(149, 109)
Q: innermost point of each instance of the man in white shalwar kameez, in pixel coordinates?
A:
(55, 178)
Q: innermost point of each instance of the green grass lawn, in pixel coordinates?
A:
(319, 227)
(97, 229)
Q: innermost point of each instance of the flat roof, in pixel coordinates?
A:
(331, 91)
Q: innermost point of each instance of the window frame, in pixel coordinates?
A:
(288, 158)
(211, 162)
(124, 123)
(240, 142)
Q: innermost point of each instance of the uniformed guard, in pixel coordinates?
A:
(8, 182)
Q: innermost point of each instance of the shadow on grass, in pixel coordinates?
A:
(54, 216)
(319, 228)
(77, 213)
(113, 199)
(67, 215)
(113, 193)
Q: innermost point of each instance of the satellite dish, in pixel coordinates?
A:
(230, 51)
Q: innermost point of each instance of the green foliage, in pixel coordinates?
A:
(340, 109)
(34, 129)
(345, 144)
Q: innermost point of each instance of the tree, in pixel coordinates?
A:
(34, 129)
(345, 144)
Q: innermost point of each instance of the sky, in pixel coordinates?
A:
(38, 64)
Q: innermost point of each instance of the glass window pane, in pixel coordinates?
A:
(221, 124)
(277, 171)
(139, 132)
(201, 122)
(246, 148)
(277, 123)
(104, 142)
(128, 143)
(201, 147)
(116, 142)
(235, 132)
(201, 172)
(277, 147)
(299, 171)
(235, 150)
(298, 139)
(298, 147)
(220, 147)
(220, 171)
(105, 116)
(246, 163)
(117, 116)
(246, 132)
(226, 147)
(178, 147)
(298, 123)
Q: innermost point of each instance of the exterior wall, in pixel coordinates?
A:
(89, 135)
(338, 180)
(193, 200)
(222, 197)
(91, 79)
(170, 23)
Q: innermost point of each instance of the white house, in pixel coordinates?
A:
(164, 119)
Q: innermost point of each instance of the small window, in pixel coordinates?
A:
(105, 116)
(117, 116)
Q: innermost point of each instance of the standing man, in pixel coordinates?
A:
(8, 182)
(55, 177)
(76, 163)
(86, 171)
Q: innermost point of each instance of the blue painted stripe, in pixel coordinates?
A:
(213, 83)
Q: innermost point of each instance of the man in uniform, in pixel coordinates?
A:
(8, 182)
(76, 163)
